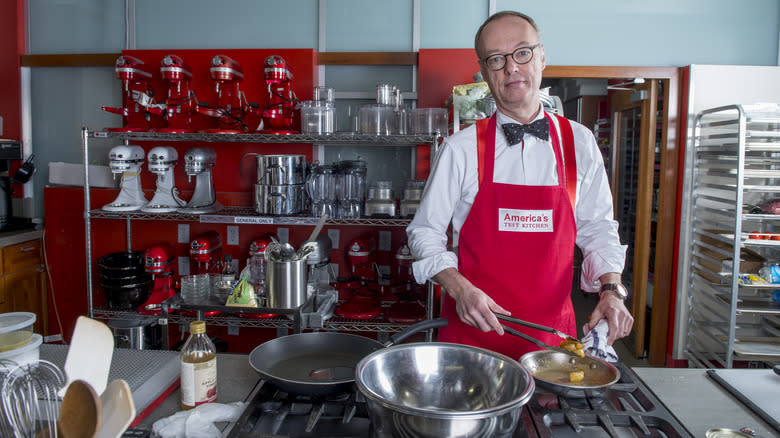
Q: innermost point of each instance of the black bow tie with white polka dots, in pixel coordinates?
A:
(514, 131)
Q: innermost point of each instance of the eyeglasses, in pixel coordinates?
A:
(521, 55)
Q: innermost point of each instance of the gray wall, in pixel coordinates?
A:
(606, 32)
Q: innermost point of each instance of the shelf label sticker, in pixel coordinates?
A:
(222, 219)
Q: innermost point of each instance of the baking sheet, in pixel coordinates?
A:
(149, 373)
(757, 389)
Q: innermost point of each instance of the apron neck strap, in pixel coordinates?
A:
(561, 134)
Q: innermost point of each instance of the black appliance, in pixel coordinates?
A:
(11, 150)
(627, 408)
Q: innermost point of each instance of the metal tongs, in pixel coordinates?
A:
(533, 340)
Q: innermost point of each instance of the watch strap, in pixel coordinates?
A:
(617, 288)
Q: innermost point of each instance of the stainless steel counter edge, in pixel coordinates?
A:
(700, 403)
(8, 238)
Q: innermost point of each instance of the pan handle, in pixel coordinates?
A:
(415, 328)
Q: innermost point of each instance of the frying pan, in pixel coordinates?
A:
(321, 363)
(551, 371)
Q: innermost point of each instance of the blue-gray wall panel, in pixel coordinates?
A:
(360, 25)
(235, 24)
(76, 26)
(450, 24)
(656, 33)
(64, 100)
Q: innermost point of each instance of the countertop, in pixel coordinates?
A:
(13, 237)
(702, 404)
(235, 380)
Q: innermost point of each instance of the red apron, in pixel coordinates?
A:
(517, 245)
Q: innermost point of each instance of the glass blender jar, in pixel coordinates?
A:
(321, 188)
(351, 188)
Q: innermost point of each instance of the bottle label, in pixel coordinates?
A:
(198, 382)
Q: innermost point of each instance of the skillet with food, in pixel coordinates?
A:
(570, 376)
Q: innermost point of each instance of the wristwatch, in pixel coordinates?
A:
(617, 288)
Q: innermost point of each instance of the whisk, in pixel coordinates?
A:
(29, 397)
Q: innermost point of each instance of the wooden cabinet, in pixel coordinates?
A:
(23, 282)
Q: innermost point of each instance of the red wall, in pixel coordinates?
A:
(438, 71)
(11, 47)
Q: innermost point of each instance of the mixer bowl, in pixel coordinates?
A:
(120, 265)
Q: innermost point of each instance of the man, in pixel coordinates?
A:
(517, 210)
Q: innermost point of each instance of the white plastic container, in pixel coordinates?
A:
(16, 329)
(23, 355)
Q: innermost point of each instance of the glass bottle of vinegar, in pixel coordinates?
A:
(198, 360)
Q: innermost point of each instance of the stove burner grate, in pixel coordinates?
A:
(627, 409)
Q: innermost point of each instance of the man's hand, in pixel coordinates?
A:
(618, 317)
(474, 306)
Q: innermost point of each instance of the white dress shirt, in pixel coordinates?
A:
(453, 183)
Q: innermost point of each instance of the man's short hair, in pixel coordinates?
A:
(501, 14)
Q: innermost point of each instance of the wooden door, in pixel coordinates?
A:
(634, 182)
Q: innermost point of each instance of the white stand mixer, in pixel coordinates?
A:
(162, 160)
(127, 160)
(198, 162)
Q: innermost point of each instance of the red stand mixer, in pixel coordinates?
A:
(158, 261)
(408, 309)
(206, 258)
(232, 107)
(206, 253)
(280, 109)
(181, 102)
(257, 272)
(363, 303)
(137, 95)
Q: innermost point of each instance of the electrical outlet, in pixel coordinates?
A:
(334, 234)
(384, 270)
(385, 241)
(184, 266)
(283, 234)
(232, 231)
(184, 233)
(233, 328)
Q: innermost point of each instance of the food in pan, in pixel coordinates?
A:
(577, 376)
(575, 346)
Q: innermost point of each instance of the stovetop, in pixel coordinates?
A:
(627, 409)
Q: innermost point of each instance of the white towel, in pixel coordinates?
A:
(198, 422)
(596, 342)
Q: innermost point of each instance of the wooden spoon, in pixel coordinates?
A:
(80, 411)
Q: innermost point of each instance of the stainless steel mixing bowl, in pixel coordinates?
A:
(443, 390)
